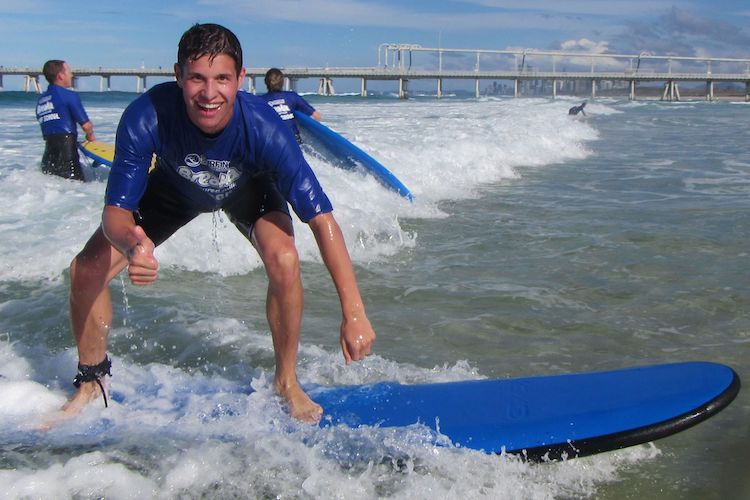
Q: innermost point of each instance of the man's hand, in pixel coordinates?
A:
(88, 129)
(142, 265)
(357, 337)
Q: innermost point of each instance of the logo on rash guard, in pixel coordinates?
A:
(282, 108)
(213, 176)
(193, 160)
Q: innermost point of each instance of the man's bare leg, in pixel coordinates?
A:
(91, 310)
(273, 237)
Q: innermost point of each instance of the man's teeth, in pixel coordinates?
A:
(210, 106)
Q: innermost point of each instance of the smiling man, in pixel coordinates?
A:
(216, 148)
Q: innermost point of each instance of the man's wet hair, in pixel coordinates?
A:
(274, 80)
(209, 40)
(52, 68)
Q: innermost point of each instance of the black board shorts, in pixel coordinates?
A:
(163, 209)
(61, 156)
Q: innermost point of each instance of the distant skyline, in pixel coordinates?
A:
(348, 32)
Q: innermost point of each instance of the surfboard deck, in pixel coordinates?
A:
(545, 417)
(102, 153)
(346, 154)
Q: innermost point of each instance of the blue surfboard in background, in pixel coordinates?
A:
(345, 154)
(544, 417)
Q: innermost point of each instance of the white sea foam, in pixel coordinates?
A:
(440, 150)
(201, 434)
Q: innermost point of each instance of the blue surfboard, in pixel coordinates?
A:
(545, 417)
(345, 154)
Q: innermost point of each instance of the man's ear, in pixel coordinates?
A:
(178, 74)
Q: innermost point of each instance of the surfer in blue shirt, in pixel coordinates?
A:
(58, 110)
(216, 148)
(286, 102)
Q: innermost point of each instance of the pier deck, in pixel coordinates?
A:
(581, 70)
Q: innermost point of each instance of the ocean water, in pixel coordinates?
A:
(537, 243)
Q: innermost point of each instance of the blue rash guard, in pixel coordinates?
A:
(285, 103)
(58, 110)
(207, 170)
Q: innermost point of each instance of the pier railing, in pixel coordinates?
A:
(529, 71)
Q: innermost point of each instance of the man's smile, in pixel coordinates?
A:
(209, 106)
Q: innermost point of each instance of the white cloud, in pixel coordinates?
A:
(334, 12)
(585, 45)
(401, 15)
(685, 33)
(582, 7)
(23, 6)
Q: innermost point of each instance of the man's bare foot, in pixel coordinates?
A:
(88, 392)
(299, 403)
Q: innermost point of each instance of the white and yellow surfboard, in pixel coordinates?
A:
(102, 153)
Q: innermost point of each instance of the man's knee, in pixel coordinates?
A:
(282, 263)
(86, 272)
(95, 265)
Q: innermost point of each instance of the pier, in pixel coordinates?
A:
(527, 71)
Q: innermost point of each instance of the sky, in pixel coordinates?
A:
(315, 33)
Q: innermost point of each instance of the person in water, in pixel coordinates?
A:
(59, 111)
(216, 148)
(577, 109)
(286, 102)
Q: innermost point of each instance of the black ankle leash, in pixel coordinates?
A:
(91, 373)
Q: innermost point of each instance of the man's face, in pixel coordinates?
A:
(209, 89)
